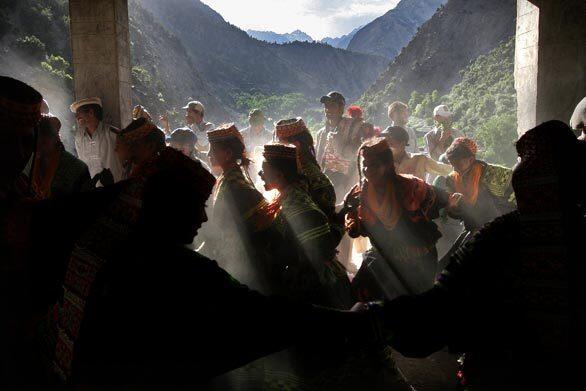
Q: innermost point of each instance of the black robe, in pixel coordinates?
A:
(163, 314)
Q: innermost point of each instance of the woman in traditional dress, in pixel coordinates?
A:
(307, 265)
(239, 209)
(293, 131)
(137, 145)
(305, 268)
(396, 213)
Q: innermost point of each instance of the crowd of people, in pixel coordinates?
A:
(107, 278)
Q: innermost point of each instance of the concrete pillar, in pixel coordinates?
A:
(550, 60)
(101, 55)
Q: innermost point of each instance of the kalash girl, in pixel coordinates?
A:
(306, 269)
(396, 213)
(293, 131)
(239, 209)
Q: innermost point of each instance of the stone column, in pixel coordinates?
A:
(550, 60)
(101, 55)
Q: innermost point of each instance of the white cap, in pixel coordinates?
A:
(83, 102)
(442, 111)
(195, 105)
(579, 116)
(45, 107)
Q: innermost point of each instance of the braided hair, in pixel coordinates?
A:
(238, 149)
(305, 139)
(386, 158)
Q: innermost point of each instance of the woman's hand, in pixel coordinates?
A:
(352, 199)
(454, 200)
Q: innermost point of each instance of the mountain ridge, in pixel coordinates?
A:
(342, 41)
(452, 38)
(273, 37)
(231, 61)
(389, 33)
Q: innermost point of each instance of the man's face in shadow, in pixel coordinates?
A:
(333, 110)
(175, 210)
(16, 148)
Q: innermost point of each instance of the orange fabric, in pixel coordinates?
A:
(414, 191)
(273, 208)
(389, 210)
(468, 184)
(266, 215)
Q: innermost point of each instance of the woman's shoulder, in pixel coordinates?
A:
(235, 179)
(298, 202)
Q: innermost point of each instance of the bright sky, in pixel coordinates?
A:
(318, 18)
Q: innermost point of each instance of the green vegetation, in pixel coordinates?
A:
(58, 67)
(278, 107)
(30, 47)
(422, 105)
(37, 30)
(141, 76)
(484, 104)
(498, 135)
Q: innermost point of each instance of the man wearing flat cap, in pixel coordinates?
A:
(337, 143)
(439, 139)
(94, 143)
(256, 135)
(194, 117)
(443, 134)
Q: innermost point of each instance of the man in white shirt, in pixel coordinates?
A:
(94, 143)
(194, 113)
(441, 137)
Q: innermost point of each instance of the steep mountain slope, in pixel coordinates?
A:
(162, 65)
(457, 34)
(272, 37)
(484, 103)
(231, 61)
(34, 47)
(343, 41)
(389, 33)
